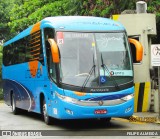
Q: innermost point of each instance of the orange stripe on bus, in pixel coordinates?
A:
(35, 50)
(35, 37)
(35, 33)
(35, 54)
(79, 93)
(33, 67)
(34, 59)
(34, 46)
(36, 27)
(34, 41)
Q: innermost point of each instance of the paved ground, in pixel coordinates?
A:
(148, 117)
(32, 121)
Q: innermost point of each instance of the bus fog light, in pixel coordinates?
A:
(128, 109)
(69, 111)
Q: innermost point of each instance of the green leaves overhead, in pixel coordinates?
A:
(16, 15)
(29, 14)
(154, 7)
(5, 8)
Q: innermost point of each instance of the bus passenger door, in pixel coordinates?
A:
(51, 67)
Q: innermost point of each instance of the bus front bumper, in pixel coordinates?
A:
(67, 110)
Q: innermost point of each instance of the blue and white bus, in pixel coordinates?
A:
(70, 67)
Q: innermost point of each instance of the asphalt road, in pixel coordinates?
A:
(33, 121)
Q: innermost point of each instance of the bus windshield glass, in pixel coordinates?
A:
(83, 55)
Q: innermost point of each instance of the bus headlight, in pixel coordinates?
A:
(66, 98)
(128, 97)
(69, 99)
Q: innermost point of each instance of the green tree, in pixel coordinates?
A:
(5, 7)
(1, 62)
(24, 13)
(32, 11)
(1, 95)
(154, 7)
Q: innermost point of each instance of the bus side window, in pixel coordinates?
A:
(10, 55)
(22, 54)
(49, 33)
(15, 54)
(6, 56)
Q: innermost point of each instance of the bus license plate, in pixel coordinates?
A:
(100, 111)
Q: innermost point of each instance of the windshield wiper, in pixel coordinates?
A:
(89, 75)
(111, 77)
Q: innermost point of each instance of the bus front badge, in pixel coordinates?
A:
(100, 103)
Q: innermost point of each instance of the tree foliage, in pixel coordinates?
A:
(5, 8)
(30, 12)
(16, 15)
(154, 7)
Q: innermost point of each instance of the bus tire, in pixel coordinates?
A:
(46, 117)
(13, 104)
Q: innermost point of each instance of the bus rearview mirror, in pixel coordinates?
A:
(54, 50)
(139, 49)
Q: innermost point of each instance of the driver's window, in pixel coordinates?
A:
(49, 33)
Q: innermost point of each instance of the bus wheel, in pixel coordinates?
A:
(14, 108)
(46, 117)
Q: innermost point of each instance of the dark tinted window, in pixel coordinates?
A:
(24, 50)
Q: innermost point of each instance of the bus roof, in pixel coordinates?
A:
(73, 23)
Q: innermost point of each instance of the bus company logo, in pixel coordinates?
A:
(115, 73)
(100, 103)
(111, 73)
(99, 90)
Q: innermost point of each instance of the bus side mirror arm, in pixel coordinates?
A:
(54, 51)
(139, 49)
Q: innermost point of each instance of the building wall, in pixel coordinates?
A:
(142, 26)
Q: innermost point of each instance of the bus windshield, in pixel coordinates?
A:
(83, 55)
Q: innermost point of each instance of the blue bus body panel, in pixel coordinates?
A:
(83, 23)
(17, 78)
(23, 96)
(100, 96)
(60, 108)
(86, 112)
(74, 23)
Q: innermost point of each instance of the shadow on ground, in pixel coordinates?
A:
(80, 124)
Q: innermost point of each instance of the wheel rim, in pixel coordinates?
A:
(13, 104)
(45, 115)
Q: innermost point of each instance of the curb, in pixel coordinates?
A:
(144, 119)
